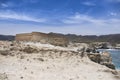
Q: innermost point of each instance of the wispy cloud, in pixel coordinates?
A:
(75, 24)
(113, 14)
(89, 3)
(3, 5)
(85, 24)
(81, 19)
(30, 1)
(85, 19)
(23, 17)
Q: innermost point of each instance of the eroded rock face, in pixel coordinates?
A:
(109, 65)
(43, 38)
(104, 59)
(95, 57)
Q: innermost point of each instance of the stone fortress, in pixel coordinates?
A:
(43, 38)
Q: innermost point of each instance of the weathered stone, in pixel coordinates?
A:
(109, 65)
(95, 57)
(103, 59)
(4, 52)
(43, 38)
(106, 57)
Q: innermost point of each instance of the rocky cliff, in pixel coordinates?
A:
(43, 38)
(102, 58)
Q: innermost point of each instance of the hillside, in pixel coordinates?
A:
(7, 37)
(112, 38)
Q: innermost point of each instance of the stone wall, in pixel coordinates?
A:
(43, 38)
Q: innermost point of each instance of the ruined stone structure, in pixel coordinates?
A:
(43, 38)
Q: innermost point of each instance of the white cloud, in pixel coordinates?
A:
(88, 3)
(75, 24)
(81, 19)
(4, 5)
(113, 14)
(85, 24)
(23, 17)
(88, 29)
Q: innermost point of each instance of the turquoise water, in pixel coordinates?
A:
(115, 56)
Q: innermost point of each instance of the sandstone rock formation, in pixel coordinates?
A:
(43, 38)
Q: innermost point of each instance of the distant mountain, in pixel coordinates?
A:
(7, 37)
(112, 38)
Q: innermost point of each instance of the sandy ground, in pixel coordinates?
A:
(52, 65)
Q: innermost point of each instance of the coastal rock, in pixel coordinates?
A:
(106, 60)
(95, 57)
(106, 57)
(109, 65)
(117, 46)
(103, 59)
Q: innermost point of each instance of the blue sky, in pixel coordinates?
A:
(85, 17)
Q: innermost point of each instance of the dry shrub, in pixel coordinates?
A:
(117, 76)
(111, 71)
(30, 50)
(109, 65)
(40, 59)
(3, 76)
(4, 52)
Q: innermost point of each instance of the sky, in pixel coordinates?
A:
(81, 17)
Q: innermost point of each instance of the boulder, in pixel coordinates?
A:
(95, 57)
(4, 52)
(109, 65)
(106, 57)
(103, 59)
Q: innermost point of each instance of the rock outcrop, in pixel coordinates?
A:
(36, 61)
(43, 38)
(102, 58)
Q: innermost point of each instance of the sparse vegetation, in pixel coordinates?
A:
(30, 50)
(4, 52)
(52, 60)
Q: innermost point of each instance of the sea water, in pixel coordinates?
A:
(115, 53)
